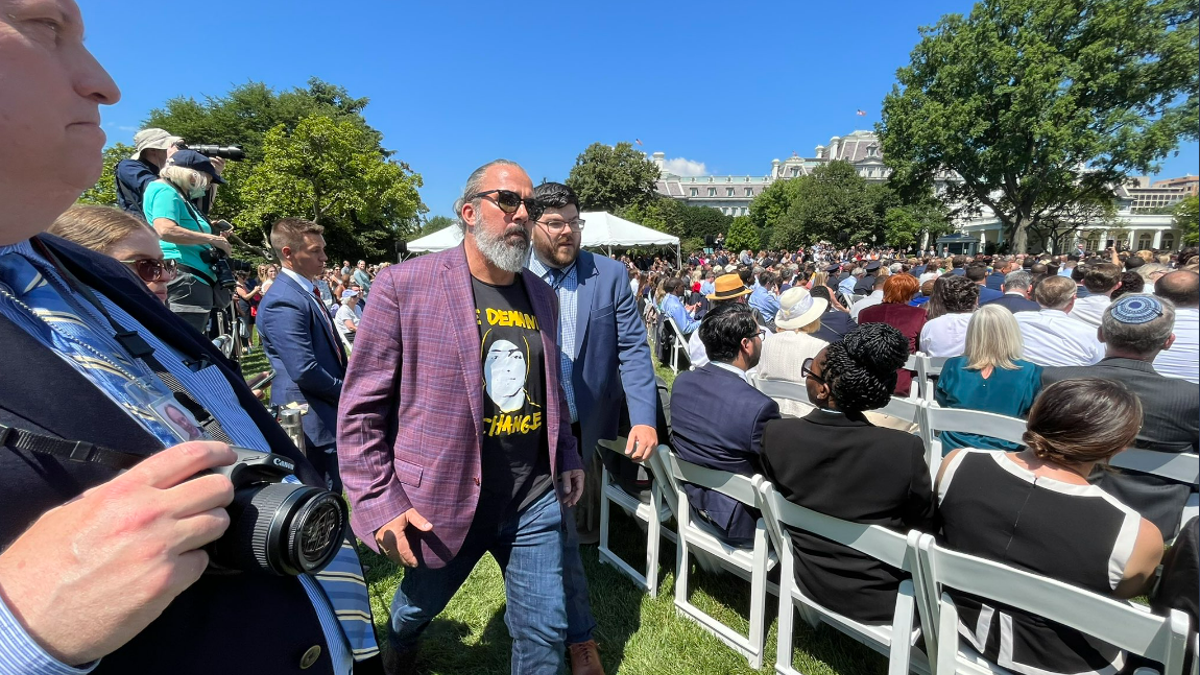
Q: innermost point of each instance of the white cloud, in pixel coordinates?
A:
(686, 167)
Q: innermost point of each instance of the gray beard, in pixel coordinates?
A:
(508, 257)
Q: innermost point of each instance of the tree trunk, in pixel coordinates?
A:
(1020, 240)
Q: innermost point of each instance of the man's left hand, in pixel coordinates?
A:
(218, 164)
(572, 487)
(643, 439)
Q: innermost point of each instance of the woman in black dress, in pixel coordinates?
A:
(1035, 510)
(834, 461)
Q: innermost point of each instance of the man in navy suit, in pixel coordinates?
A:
(717, 417)
(978, 275)
(606, 366)
(1016, 293)
(301, 342)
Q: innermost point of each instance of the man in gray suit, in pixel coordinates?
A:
(1134, 329)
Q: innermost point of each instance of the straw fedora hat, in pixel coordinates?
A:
(798, 308)
(728, 287)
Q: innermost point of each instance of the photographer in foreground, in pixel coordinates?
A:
(187, 236)
(102, 570)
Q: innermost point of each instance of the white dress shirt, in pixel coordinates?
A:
(735, 370)
(1090, 309)
(1182, 360)
(1054, 339)
(945, 335)
(875, 298)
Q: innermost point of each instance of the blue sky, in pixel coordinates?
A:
(730, 85)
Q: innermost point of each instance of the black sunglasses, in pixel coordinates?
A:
(806, 370)
(151, 270)
(510, 201)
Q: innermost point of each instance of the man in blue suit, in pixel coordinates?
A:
(978, 275)
(301, 342)
(606, 367)
(717, 417)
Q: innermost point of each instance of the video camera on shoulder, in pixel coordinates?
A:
(223, 151)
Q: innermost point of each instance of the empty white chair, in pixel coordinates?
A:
(1162, 639)
(892, 548)
(752, 564)
(927, 368)
(653, 514)
(938, 419)
(1182, 467)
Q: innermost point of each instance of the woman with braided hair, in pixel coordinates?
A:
(1069, 530)
(836, 462)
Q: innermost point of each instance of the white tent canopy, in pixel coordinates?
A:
(603, 230)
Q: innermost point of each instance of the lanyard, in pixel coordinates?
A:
(138, 348)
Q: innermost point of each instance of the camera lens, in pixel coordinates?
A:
(281, 528)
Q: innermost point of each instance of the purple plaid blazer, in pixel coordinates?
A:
(410, 422)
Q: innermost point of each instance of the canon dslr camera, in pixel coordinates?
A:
(276, 527)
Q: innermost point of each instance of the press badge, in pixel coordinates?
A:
(153, 397)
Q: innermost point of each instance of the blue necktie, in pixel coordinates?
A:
(47, 310)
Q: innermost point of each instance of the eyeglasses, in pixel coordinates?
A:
(151, 270)
(806, 371)
(510, 201)
(761, 333)
(559, 225)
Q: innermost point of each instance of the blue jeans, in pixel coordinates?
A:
(580, 622)
(529, 549)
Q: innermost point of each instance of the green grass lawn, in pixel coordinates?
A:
(638, 635)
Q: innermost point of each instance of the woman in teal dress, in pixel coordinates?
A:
(989, 376)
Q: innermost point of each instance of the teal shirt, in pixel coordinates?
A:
(1006, 392)
(163, 201)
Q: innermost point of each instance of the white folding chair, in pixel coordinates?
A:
(938, 419)
(653, 514)
(1183, 467)
(892, 548)
(752, 564)
(678, 342)
(782, 390)
(1161, 639)
(927, 368)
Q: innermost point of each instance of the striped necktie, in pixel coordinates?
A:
(47, 309)
(346, 589)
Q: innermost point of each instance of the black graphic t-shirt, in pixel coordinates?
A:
(516, 457)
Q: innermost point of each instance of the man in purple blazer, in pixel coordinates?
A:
(454, 431)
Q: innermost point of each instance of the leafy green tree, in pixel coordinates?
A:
(743, 234)
(905, 225)
(1036, 104)
(104, 192)
(834, 204)
(435, 224)
(701, 221)
(769, 207)
(607, 177)
(332, 172)
(661, 213)
(1187, 218)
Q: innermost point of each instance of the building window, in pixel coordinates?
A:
(749, 192)
(728, 192)
(712, 192)
(795, 172)
(1144, 240)
(1168, 241)
(695, 192)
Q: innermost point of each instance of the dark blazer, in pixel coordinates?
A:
(865, 285)
(307, 356)
(1014, 303)
(994, 281)
(835, 325)
(842, 466)
(987, 295)
(612, 367)
(220, 616)
(717, 421)
(1171, 423)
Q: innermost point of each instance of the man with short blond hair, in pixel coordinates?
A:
(1052, 337)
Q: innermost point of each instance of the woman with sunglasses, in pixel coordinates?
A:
(836, 462)
(118, 235)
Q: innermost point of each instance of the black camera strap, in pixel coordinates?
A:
(138, 348)
(74, 451)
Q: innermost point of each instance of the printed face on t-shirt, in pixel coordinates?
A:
(505, 368)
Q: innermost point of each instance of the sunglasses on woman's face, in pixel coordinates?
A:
(806, 371)
(151, 270)
(510, 201)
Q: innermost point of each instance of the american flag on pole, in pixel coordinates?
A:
(860, 113)
(638, 141)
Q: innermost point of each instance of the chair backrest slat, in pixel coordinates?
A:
(873, 540)
(782, 389)
(906, 409)
(731, 485)
(976, 422)
(1106, 619)
(1182, 467)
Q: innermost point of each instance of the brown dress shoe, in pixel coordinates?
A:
(585, 659)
